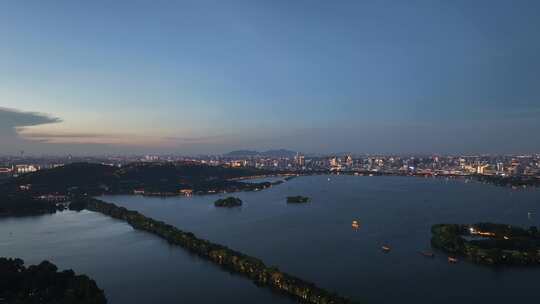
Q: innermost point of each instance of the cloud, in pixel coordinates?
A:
(21, 130)
(121, 139)
(89, 138)
(11, 120)
(51, 135)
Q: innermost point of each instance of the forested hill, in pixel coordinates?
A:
(94, 178)
(72, 175)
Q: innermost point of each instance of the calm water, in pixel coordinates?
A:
(131, 266)
(314, 241)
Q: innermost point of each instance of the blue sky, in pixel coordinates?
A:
(316, 76)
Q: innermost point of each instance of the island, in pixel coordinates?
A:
(489, 243)
(231, 260)
(297, 199)
(228, 202)
(44, 284)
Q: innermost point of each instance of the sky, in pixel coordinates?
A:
(205, 77)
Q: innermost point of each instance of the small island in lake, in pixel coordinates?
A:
(488, 243)
(44, 284)
(228, 202)
(297, 199)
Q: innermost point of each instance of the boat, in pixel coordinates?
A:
(427, 254)
(355, 224)
(452, 260)
(386, 248)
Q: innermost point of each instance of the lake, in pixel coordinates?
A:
(314, 241)
(131, 266)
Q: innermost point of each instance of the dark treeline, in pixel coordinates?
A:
(488, 243)
(21, 204)
(227, 258)
(44, 284)
(508, 181)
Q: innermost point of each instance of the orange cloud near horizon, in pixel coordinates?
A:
(120, 139)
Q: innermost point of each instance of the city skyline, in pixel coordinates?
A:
(204, 77)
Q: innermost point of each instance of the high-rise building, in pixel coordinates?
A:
(481, 169)
(334, 162)
(349, 161)
(299, 159)
(26, 168)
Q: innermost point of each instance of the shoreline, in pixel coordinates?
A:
(520, 184)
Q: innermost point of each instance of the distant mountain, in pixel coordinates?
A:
(269, 153)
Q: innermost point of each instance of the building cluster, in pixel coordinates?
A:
(501, 165)
(18, 165)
